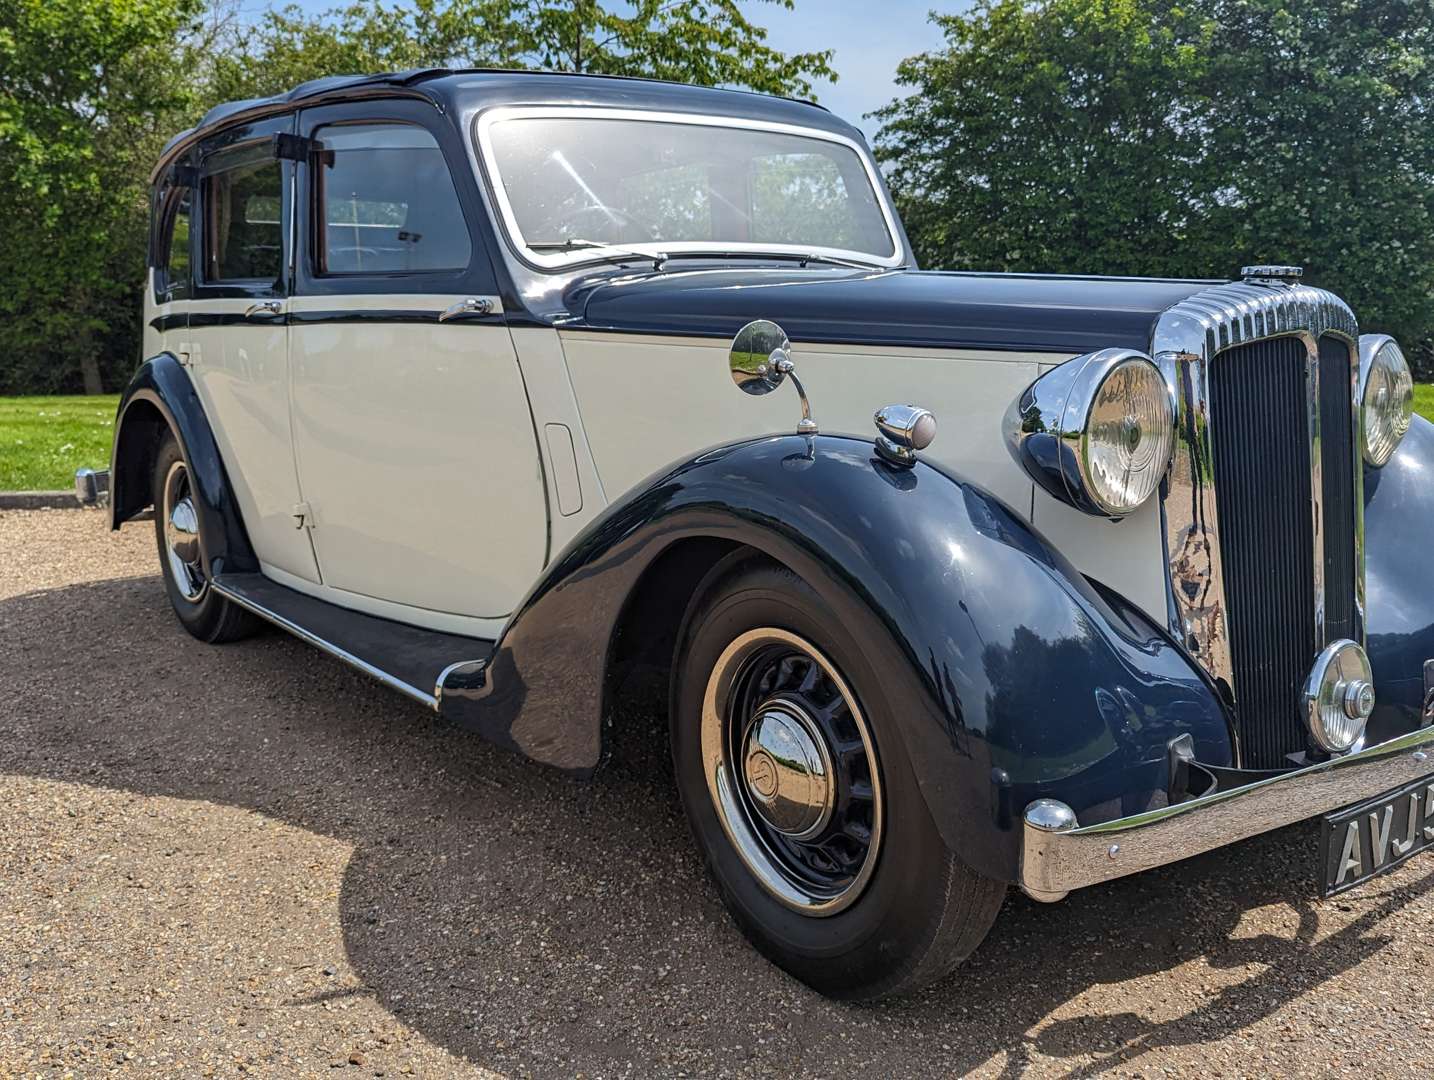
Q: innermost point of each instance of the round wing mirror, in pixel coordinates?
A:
(760, 357)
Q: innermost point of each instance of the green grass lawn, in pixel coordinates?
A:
(43, 440)
(1424, 400)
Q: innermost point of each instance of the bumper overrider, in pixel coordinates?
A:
(1058, 855)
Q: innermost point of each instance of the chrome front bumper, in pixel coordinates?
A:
(1057, 855)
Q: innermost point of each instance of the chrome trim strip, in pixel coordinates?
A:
(1312, 409)
(473, 666)
(1055, 860)
(1186, 339)
(553, 261)
(329, 647)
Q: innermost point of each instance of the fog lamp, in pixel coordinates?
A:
(1339, 697)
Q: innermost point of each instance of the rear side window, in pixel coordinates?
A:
(243, 220)
(385, 202)
(172, 269)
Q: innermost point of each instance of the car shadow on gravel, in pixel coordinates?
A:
(540, 925)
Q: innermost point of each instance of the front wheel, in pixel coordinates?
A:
(182, 558)
(802, 798)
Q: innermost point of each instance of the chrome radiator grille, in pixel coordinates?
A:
(1263, 506)
(1260, 435)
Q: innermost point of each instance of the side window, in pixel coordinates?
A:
(385, 202)
(172, 270)
(243, 219)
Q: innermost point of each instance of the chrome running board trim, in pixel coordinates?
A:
(329, 647)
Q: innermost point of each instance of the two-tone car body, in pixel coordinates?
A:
(439, 377)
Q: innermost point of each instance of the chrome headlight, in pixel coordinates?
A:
(1386, 389)
(1096, 432)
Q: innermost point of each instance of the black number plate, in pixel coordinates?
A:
(1364, 841)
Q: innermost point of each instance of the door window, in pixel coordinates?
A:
(243, 219)
(385, 202)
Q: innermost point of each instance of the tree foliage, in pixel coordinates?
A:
(90, 90)
(1158, 137)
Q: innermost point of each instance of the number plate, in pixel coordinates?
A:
(1364, 841)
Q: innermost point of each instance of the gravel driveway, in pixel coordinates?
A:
(249, 858)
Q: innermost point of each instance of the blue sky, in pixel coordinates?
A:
(870, 38)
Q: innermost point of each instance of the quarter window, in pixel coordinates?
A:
(386, 202)
(172, 273)
(243, 221)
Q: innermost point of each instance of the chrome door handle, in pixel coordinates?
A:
(469, 305)
(266, 308)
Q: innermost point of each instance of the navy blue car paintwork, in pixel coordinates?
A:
(910, 308)
(162, 383)
(1399, 579)
(1009, 675)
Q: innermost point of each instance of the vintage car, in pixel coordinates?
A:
(440, 379)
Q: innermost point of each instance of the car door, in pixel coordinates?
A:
(238, 346)
(413, 434)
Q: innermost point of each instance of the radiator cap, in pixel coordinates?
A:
(1272, 275)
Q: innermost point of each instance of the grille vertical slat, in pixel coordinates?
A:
(1337, 480)
(1260, 445)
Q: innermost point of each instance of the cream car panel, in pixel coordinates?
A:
(1128, 555)
(575, 493)
(418, 457)
(241, 369)
(649, 401)
(488, 629)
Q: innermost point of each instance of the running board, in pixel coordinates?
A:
(409, 659)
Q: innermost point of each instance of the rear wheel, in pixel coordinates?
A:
(182, 558)
(802, 798)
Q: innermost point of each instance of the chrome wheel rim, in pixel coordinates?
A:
(792, 771)
(181, 535)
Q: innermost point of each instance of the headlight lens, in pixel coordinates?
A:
(1388, 403)
(1128, 436)
(1097, 432)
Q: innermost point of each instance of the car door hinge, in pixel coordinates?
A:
(293, 147)
(303, 516)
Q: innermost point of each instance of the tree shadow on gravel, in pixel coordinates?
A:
(539, 925)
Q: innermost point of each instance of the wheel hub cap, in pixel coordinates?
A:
(792, 771)
(183, 531)
(181, 535)
(788, 771)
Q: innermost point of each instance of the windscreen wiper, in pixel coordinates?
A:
(612, 252)
(800, 258)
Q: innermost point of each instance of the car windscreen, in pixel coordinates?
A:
(569, 183)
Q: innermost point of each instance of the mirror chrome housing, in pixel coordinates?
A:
(1049, 429)
(760, 360)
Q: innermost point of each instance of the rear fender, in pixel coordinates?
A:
(161, 395)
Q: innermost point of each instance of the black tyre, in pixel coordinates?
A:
(182, 558)
(802, 798)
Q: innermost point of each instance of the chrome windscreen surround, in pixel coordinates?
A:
(1186, 339)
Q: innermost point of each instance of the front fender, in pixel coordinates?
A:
(162, 394)
(1399, 579)
(1009, 675)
